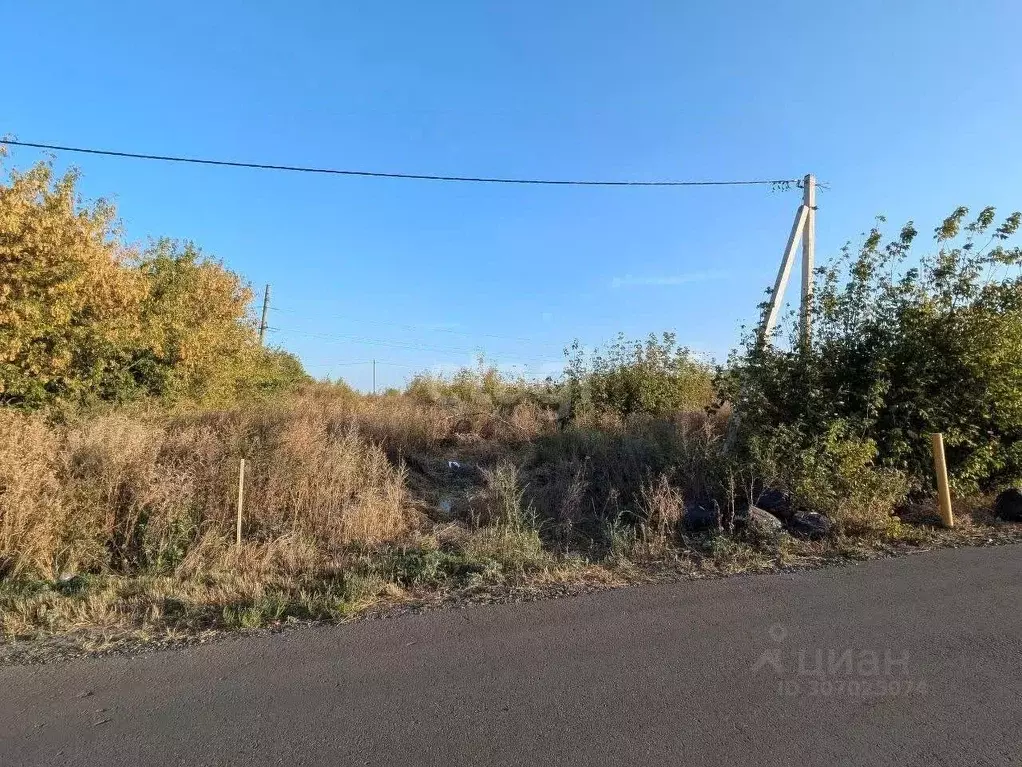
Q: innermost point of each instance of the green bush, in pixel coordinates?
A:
(903, 346)
(655, 377)
(484, 386)
(834, 474)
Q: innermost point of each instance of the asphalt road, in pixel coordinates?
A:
(911, 661)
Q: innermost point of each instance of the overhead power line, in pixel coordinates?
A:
(380, 174)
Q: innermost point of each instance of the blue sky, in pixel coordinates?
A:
(904, 108)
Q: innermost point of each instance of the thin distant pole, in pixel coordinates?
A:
(374, 376)
(266, 308)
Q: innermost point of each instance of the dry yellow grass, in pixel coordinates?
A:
(133, 490)
(121, 523)
(126, 493)
(31, 512)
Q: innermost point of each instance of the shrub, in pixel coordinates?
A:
(67, 293)
(484, 386)
(834, 474)
(656, 377)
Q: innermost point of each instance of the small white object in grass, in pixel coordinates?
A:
(453, 465)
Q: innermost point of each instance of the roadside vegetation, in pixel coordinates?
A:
(132, 382)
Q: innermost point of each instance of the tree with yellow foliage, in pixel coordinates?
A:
(68, 299)
(85, 317)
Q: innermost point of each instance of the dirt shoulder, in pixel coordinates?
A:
(90, 616)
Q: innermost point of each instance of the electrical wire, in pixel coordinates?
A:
(380, 174)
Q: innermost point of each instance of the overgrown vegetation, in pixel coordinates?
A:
(657, 377)
(128, 378)
(120, 526)
(902, 345)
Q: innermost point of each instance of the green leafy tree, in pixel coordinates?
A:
(903, 346)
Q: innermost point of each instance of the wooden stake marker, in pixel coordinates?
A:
(241, 499)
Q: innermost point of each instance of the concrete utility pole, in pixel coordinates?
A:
(777, 294)
(374, 376)
(808, 258)
(266, 308)
(802, 228)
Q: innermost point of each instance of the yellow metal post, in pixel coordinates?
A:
(943, 490)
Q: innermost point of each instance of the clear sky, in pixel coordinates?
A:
(903, 107)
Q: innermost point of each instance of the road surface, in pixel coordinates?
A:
(911, 661)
